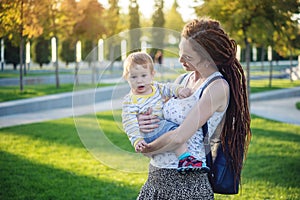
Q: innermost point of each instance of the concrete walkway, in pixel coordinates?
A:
(283, 110)
(277, 105)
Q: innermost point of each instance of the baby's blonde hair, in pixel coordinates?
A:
(137, 58)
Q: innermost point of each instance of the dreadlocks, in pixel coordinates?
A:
(236, 131)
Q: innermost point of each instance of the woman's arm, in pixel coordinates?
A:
(214, 98)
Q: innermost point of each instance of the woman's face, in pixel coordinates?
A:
(187, 56)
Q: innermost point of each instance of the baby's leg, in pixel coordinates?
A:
(187, 162)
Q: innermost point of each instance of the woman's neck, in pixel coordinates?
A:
(197, 78)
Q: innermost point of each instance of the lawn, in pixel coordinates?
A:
(49, 161)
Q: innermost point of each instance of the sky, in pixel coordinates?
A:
(147, 6)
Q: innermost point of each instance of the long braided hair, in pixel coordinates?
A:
(236, 133)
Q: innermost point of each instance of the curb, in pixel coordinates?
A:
(63, 100)
(276, 94)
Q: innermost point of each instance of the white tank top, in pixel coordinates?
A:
(175, 110)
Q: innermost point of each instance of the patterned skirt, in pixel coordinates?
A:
(168, 184)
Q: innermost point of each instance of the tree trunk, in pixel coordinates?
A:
(21, 63)
(262, 58)
(21, 49)
(271, 74)
(291, 65)
(248, 68)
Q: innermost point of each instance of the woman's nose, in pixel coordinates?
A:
(181, 59)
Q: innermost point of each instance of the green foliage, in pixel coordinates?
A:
(158, 15)
(41, 49)
(67, 52)
(113, 19)
(134, 25)
(11, 53)
(158, 35)
(173, 18)
(261, 21)
(298, 105)
(90, 27)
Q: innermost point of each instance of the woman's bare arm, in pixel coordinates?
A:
(214, 98)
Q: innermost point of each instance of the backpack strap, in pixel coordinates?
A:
(182, 78)
(205, 127)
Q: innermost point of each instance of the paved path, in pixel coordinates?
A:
(270, 107)
(283, 110)
(28, 118)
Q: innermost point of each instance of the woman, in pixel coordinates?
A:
(206, 51)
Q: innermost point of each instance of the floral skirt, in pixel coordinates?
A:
(168, 184)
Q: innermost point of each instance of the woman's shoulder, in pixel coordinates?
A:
(182, 77)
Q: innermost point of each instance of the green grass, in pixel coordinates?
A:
(298, 105)
(31, 73)
(48, 161)
(263, 84)
(8, 93)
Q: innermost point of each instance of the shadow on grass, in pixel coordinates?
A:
(56, 131)
(63, 131)
(273, 154)
(23, 179)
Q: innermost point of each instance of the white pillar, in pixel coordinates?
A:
(144, 46)
(100, 50)
(254, 53)
(27, 59)
(123, 49)
(53, 49)
(238, 52)
(78, 51)
(269, 53)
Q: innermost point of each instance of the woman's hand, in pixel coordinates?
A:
(147, 122)
(140, 146)
(166, 142)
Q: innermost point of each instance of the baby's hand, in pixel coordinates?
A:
(140, 146)
(184, 92)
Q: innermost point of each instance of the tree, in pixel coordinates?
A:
(11, 54)
(158, 35)
(134, 23)
(68, 39)
(174, 20)
(42, 51)
(67, 52)
(19, 22)
(112, 18)
(244, 19)
(89, 29)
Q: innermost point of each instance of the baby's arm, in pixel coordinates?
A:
(184, 92)
(129, 121)
(170, 90)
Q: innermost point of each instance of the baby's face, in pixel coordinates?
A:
(140, 80)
